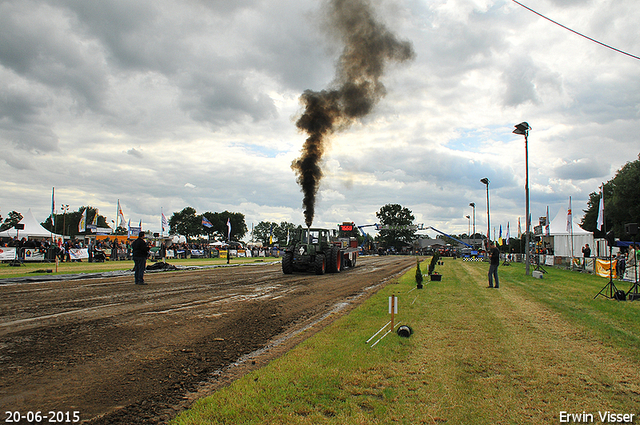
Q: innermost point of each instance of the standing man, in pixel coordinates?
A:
(494, 256)
(586, 251)
(140, 254)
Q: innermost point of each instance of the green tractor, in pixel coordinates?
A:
(317, 250)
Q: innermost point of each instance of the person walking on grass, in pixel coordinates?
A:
(494, 256)
(140, 253)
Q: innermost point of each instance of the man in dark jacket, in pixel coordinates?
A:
(140, 254)
(494, 255)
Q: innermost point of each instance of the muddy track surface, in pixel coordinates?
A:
(119, 353)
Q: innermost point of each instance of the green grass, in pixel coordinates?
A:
(36, 269)
(519, 354)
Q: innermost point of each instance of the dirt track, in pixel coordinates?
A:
(119, 353)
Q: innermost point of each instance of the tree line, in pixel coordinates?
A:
(621, 203)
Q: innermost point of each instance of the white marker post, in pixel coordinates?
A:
(393, 308)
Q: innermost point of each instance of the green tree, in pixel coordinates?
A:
(219, 229)
(238, 225)
(398, 221)
(185, 223)
(71, 220)
(621, 202)
(13, 219)
(214, 230)
(263, 231)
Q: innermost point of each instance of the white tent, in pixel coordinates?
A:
(560, 238)
(32, 229)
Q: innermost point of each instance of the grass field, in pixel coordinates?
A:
(35, 269)
(532, 352)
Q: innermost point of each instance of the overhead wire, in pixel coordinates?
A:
(576, 32)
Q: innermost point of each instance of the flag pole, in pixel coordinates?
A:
(571, 230)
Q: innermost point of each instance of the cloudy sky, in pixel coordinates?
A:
(165, 104)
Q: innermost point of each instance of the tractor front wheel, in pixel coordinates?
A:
(287, 263)
(320, 264)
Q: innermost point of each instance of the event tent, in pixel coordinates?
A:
(32, 229)
(560, 238)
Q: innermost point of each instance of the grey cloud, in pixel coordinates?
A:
(38, 45)
(21, 123)
(568, 3)
(220, 99)
(519, 82)
(581, 169)
(37, 138)
(135, 153)
(17, 163)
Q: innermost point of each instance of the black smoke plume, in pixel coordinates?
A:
(368, 47)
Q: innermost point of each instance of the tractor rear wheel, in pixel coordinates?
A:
(335, 260)
(287, 263)
(320, 264)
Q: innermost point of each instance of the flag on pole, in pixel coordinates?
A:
(519, 229)
(508, 233)
(165, 222)
(205, 222)
(94, 222)
(229, 229)
(500, 240)
(546, 227)
(82, 225)
(600, 223)
(271, 235)
(129, 228)
(120, 216)
(569, 218)
(53, 208)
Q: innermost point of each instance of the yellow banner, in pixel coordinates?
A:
(602, 268)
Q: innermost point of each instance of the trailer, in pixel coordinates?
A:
(319, 251)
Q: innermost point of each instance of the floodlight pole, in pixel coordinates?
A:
(473, 204)
(523, 128)
(469, 225)
(486, 182)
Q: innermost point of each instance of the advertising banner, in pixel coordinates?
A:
(602, 268)
(79, 254)
(32, 254)
(7, 254)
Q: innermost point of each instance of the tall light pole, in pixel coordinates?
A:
(64, 208)
(523, 128)
(485, 181)
(469, 231)
(473, 204)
